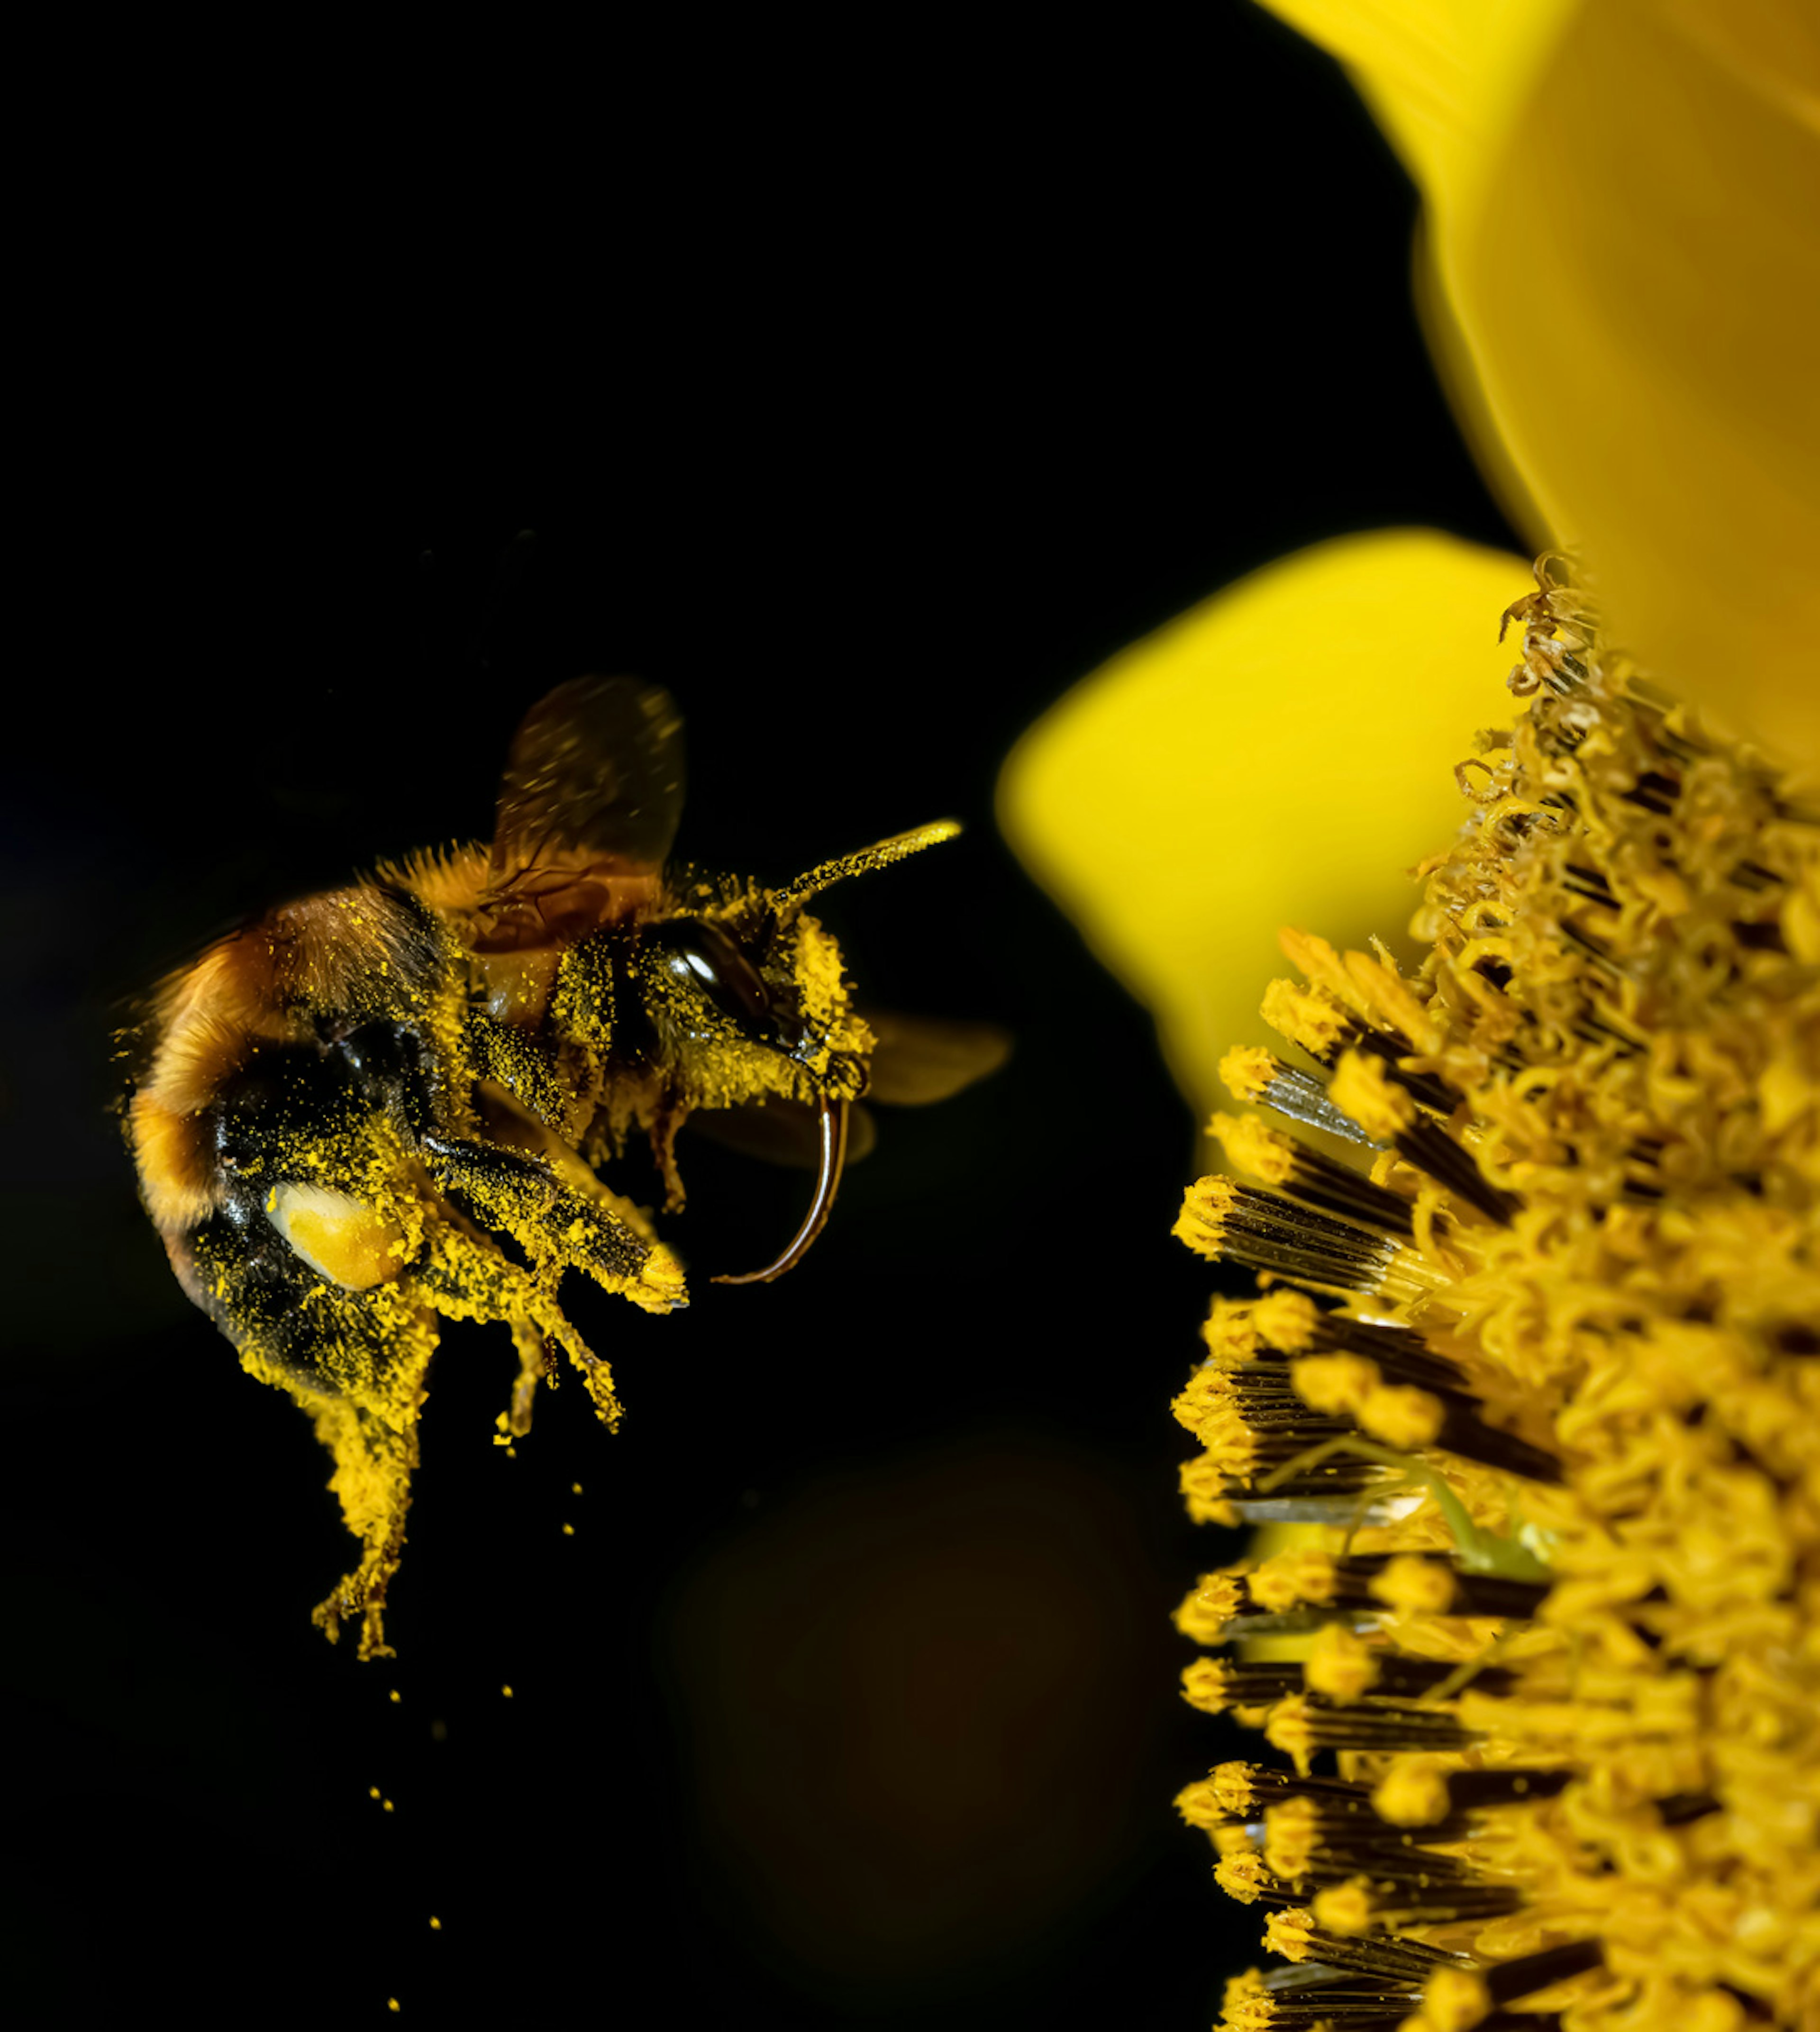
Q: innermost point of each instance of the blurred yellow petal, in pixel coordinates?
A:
(1446, 79)
(1624, 225)
(1275, 755)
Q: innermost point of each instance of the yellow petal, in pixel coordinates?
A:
(1641, 294)
(1281, 754)
(1622, 242)
(1446, 79)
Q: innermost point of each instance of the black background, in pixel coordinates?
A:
(867, 408)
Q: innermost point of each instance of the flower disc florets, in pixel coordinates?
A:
(1537, 1369)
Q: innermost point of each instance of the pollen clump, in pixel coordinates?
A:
(1538, 1376)
(341, 1237)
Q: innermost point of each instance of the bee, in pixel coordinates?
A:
(384, 1106)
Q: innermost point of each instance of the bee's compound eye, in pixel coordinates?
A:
(702, 954)
(340, 1238)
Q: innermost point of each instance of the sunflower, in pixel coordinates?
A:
(1530, 1388)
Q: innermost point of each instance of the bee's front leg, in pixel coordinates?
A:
(558, 1227)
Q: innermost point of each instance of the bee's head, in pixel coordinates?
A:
(747, 992)
(748, 999)
(749, 1002)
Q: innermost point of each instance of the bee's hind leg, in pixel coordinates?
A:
(374, 1462)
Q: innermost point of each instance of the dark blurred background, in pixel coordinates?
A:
(868, 397)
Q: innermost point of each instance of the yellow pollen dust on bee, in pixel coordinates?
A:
(391, 1105)
(340, 1238)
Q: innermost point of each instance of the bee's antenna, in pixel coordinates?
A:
(898, 847)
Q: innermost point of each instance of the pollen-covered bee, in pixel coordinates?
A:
(341, 1112)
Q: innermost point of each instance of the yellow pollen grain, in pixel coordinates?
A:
(1345, 1908)
(1204, 1487)
(1455, 2000)
(1233, 1787)
(1363, 1089)
(1205, 1614)
(1299, 1574)
(1265, 1152)
(1231, 1333)
(1389, 1001)
(1246, 1070)
(1199, 1804)
(1289, 1934)
(1413, 1793)
(1336, 1383)
(1401, 1416)
(1291, 1730)
(1207, 1388)
(1244, 1877)
(1340, 1665)
(1246, 2005)
(1307, 1017)
(1414, 1586)
(1317, 962)
(1232, 1443)
(1292, 1833)
(1204, 1685)
(1201, 1223)
(1286, 1318)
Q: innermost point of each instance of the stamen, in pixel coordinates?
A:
(1509, 1982)
(1409, 1418)
(1303, 1724)
(1296, 1936)
(1304, 1848)
(1402, 1580)
(1222, 1218)
(1317, 1180)
(1251, 1073)
(1602, 1390)
(1401, 1355)
(1336, 1512)
(1416, 1792)
(1367, 1090)
(1324, 1028)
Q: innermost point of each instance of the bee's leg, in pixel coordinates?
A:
(510, 1192)
(464, 1277)
(372, 1477)
(370, 1426)
(664, 1125)
(535, 1365)
(355, 1359)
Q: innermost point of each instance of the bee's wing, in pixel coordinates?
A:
(923, 1059)
(595, 775)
